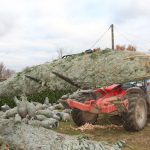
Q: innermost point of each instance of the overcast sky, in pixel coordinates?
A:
(31, 31)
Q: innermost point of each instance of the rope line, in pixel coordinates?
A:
(136, 37)
(126, 37)
(100, 37)
(123, 35)
(133, 43)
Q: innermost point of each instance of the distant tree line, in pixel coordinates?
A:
(4, 72)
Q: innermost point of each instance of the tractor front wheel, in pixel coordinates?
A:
(135, 118)
(82, 117)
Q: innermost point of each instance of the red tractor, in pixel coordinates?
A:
(130, 101)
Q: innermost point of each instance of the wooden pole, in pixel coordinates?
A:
(112, 36)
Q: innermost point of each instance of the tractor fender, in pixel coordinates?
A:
(137, 90)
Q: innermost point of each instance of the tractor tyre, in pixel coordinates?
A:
(135, 117)
(116, 120)
(82, 117)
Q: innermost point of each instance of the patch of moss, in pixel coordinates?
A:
(28, 69)
(63, 66)
(7, 100)
(93, 56)
(18, 74)
(53, 96)
(107, 50)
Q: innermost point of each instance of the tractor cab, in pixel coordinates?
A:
(140, 84)
(147, 85)
(144, 85)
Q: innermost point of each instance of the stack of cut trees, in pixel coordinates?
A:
(95, 69)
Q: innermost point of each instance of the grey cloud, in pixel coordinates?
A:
(6, 23)
(123, 11)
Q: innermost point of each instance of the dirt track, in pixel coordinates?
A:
(136, 140)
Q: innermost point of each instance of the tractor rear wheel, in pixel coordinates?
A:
(82, 117)
(135, 118)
